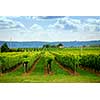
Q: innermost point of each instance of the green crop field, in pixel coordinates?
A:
(51, 65)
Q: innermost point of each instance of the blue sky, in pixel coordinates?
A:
(49, 28)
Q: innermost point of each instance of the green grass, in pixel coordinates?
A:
(59, 76)
(18, 72)
(39, 68)
(85, 73)
(49, 79)
(57, 70)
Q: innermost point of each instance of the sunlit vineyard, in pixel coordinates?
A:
(10, 60)
(51, 65)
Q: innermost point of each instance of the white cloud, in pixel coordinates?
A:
(38, 18)
(91, 25)
(9, 24)
(88, 27)
(70, 21)
(19, 24)
(36, 27)
(59, 29)
(34, 17)
(93, 21)
(66, 23)
(56, 26)
(77, 25)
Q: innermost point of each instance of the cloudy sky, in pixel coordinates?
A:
(49, 28)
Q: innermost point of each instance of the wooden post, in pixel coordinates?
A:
(48, 68)
(25, 67)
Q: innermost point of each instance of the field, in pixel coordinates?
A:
(51, 65)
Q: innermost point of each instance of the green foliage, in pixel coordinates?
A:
(9, 60)
(39, 67)
(71, 57)
(57, 70)
(30, 58)
(4, 48)
(68, 57)
(60, 44)
(90, 61)
(47, 46)
(47, 57)
(68, 61)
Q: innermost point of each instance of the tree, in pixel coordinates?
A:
(53, 46)
(4, 48)
(60, 45)
(46, 46)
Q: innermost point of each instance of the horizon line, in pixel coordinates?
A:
(50, 41)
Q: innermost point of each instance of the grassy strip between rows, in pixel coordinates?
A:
(57, 70)
(49, 79)
(85, 73)
(39, 68)
(18, 72)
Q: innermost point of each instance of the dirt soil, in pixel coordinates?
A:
(46, 71)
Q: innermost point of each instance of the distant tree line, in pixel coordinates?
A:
(53, 46)
(94, 45)
(5, 48)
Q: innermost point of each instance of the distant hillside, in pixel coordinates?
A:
(36, 44)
